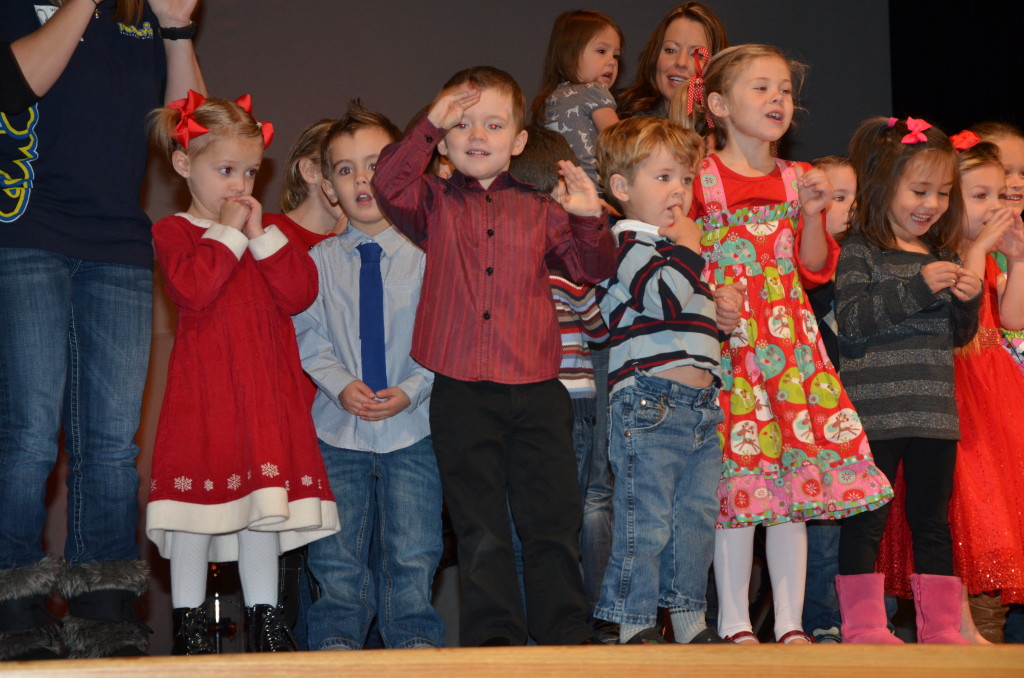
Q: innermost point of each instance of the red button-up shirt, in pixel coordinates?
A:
(486, 312)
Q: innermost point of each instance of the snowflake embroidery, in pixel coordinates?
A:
(152, 485)
(248, 475)
(287, 485)
(269, 470)
(183, 484)
(307, 481)
(234, 482)
(319, 485)
(207, 485)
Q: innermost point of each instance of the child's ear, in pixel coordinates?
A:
(310, 170)
(181, 163)
(520, 142)
(619, 187)
(442, 147)
(716, 104)
(328, 189)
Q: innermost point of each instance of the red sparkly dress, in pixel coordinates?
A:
(985, 513)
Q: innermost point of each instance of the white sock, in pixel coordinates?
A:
(734, 556)
(686, 624)
(257, 567)
(786, 546)
(627, 631)
(189, 565)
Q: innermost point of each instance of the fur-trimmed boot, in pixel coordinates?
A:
(266, 630)
(937, 600)
(101, 619)
(27, 629)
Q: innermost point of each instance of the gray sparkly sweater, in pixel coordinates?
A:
(896, 340)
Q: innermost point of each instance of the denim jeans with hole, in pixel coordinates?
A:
(393, 499)
(666, 458)
(74, 351)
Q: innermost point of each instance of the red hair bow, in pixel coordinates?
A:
(964, 140)
(245, 103)
(695, 88)
(917, 128)
(187, 128)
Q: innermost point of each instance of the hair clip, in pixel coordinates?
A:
(695, 88)
(891, 122)
(187, 128)
(964, 140)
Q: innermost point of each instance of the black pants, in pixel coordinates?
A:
(928, 466)
(498, 443)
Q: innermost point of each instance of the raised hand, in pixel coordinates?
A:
(814, 190)
(1012, 242)
(173, 13)
(451, 104)
(580, 197)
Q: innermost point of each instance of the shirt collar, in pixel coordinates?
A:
(503, 180)
(389, 240)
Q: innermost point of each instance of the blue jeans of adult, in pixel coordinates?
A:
(395, 500)
(596, 536)
(821, 605)
(74, 351)
(666, 459)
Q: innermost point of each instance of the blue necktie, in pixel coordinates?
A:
(371, 317)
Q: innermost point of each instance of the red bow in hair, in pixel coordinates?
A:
(245, 103)
(917, 128)
(187, 128)
(695, 88)
(964, 140)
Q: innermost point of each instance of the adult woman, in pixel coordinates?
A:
(76, 289)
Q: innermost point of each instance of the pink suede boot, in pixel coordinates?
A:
(937, 600)
(862, 606)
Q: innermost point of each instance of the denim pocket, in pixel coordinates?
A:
(648, 412)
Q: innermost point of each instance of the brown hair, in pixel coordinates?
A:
(221, 117)
(128, 11)
(538, 163)
(831, 161)
(307, 147)
(880, 158)
(644, 95)
(488, 77)
(622, 147)
(357, 117)
(569, 37)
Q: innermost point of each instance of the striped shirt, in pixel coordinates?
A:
(659, 312)
(579, 319)
(896, 340)
(485, 311)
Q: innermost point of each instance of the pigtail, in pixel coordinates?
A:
(160, 124)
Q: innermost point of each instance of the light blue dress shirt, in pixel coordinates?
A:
(328, 336)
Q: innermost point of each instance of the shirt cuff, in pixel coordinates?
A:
(267, 244)
(234, 239)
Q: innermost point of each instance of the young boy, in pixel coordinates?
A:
(486, 326)
(664, 378)
(371, 413)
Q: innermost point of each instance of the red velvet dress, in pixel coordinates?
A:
(235, 445)
(985, 513)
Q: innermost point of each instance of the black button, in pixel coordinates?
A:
(430, 139)
(488, 198)
(490, 232)
(490, 270)
(487, 315)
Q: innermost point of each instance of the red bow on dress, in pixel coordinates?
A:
(695, 88)
(187, 128)
(917, 128)
(964, 140)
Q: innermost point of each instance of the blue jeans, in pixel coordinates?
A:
(74, 351)
(821, 605)
(596, 536)
(395, 499)
(666, 459)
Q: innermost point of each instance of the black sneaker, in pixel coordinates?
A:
(649, 636)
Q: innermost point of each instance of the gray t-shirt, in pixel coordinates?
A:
(569, 111)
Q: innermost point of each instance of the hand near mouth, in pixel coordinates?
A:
(1012, 242)
(450, 106)
(683, 230)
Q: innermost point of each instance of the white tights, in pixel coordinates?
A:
(786, 545)
(257, 568)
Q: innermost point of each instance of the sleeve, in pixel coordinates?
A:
(965, 316)
(15, 94)
(316, 348)
(809, 278)
(595, 96)
(196, 271)
(289, 271)
(584, 245)
(417, 386)
(865, 308)
(658, 281)
(405, 195)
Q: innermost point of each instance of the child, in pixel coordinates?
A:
(309, 216)
(486, 326)
(371, 412)
(236, 473)
(664, 377)
(821, 607)
(581, 325)
(903, 303)
(580, 68)
(794, 448)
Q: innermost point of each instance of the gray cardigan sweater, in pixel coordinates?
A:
(896, 340)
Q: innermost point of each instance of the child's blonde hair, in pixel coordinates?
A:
(307, 147)
(880, 157)
(622, 147)
(995, 131)
(720, 77)
(569, 37)
(221, 117)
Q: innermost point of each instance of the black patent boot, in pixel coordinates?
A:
(266, 631)
(191, 631)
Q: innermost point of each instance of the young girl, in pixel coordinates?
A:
(309, 215)
(580, 67)
(903, 302)
(237, 474)
(794, 447)
(985, 521)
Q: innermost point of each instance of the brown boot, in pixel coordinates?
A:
(989, 616)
